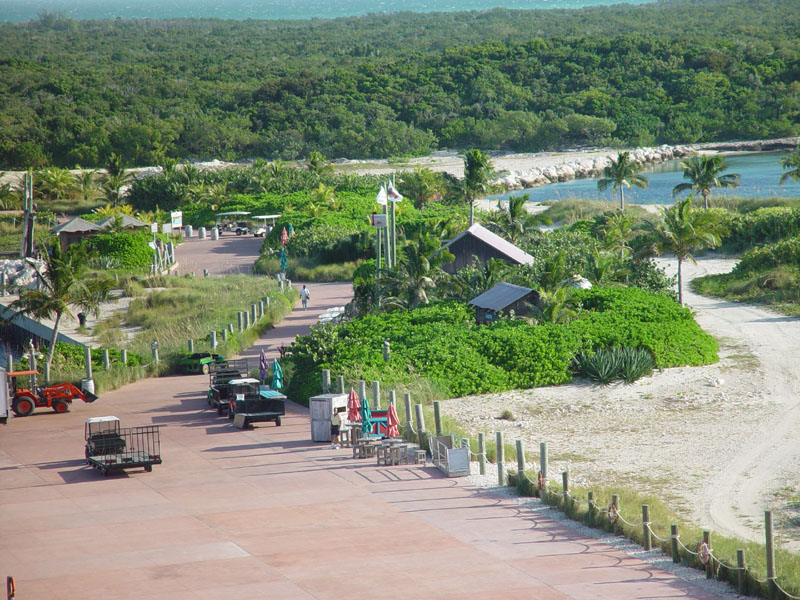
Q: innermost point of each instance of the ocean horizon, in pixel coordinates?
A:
(20, 11)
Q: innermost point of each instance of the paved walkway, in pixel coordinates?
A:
(269, 514)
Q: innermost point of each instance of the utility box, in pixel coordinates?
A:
(321, 408)
(5, 399)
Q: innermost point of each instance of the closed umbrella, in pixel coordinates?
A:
(392, 422)
(284, 237)
(263, 366)
(366, 417)
(291, 231)
(352, 407)
(284, 260)
(277, 375)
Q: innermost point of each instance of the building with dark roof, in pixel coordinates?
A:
(504, 297)
(74, 231)
(480, 242)
(126, 221)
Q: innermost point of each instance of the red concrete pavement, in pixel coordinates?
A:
(269, 514)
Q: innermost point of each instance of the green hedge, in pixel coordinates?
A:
(442, 344)
(784, 252)
(130, 249)
(762, 226)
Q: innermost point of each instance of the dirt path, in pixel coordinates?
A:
(733, 500)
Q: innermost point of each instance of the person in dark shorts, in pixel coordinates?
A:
(336, 424)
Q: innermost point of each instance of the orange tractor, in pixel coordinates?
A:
(58, 396)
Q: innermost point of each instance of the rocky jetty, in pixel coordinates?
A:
(19, 273)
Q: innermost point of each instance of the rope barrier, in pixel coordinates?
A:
(682, 545)
(655, 535)
(628, 523)
(785, 593)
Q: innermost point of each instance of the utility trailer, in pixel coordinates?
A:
(200, 362)
(111, 448)
(254, 403)
(219, 393)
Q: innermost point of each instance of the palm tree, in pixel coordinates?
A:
(422, 186)
(617, 232)
(792, 163)
(9, 199)
(623, 172)
(607, 269)
(317, 163)
(478, 172)
(64, 284)
(86, 183)
(324, 195)
(56, 182)
(682, 230)
(513, 221)
(705, 172)
(114, 179)
(408, 285)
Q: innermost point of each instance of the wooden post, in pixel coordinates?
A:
(520, 458)
(362, 390)
(87, 360)
(437, 417)
(648, 540)
(230, 327)
(190, 344)
(213, 340)
(673, 533)
(326, 381)
(246, 316)
(740, 571)
(266, 301)
(205, 272)
(154, 348)
(46, 373)
(340, 384)
(260, 309)
(407, 406)
(590, 502)
(123, 356)
(225, 334)
(615, 501)
(386, 350)
(543, 459)
(254, 313)
(32, 363)
(420, 425)
(770, 543)
(482, 452)
(709, 564)
(10, 362)
(240, 318)
(393, 398)
(376, 395)
(565, 489)
(501, 467)
(106, 361)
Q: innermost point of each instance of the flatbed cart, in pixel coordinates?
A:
(254, 403)
(218, 389)
(111, 448)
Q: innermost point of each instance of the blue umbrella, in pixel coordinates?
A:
(284, 260)
(263, 366)
(366, 417)
(277, 375)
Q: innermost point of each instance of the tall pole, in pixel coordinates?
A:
(394, 233)
(387, 237)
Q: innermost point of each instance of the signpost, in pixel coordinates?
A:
(177, 219)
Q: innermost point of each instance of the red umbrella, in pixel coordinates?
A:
(284, 237)
(353, 406)
(392, 422)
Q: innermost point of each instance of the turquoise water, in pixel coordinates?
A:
(759, 175)
(17, 11)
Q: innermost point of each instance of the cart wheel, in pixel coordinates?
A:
(148, 468)
(22, 406)
(277, 422)
(61, 407)
(205, 368)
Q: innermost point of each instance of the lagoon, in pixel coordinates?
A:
(759, 175)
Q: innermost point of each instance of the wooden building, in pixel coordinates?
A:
(480, 242)
(126, 222)
(504, 297)
(74, 231)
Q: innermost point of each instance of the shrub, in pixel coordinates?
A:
(129, 249)
(784, 252)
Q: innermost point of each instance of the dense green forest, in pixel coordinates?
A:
(72, 92)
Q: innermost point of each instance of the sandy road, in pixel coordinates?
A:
(734, 498)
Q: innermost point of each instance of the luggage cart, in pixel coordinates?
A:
(111, 448)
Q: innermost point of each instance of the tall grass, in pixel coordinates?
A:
(306, 269)
(746, 205)
(567, 212)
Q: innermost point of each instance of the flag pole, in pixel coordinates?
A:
(387, 237)
(394, 233)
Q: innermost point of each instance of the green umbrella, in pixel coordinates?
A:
(366, 417)
(277, 375)
(291, 230)
(284, 260)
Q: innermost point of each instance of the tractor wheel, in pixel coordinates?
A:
(205, 369)
(277, 422)
(61, 406)
(22, 406)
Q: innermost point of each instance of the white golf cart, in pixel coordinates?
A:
(235, 221)
(261, 228)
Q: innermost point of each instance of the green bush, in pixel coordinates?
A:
(130, 249)
(762, 226)
(784, 252)
(442, 344)
(609, 364)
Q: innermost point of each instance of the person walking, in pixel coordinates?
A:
(336, 424)
(304, 296)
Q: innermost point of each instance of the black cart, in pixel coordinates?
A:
(111, 448)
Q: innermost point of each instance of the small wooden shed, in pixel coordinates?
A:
(503, 297)
(74, 231)
(127, 222)
(480, 242)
